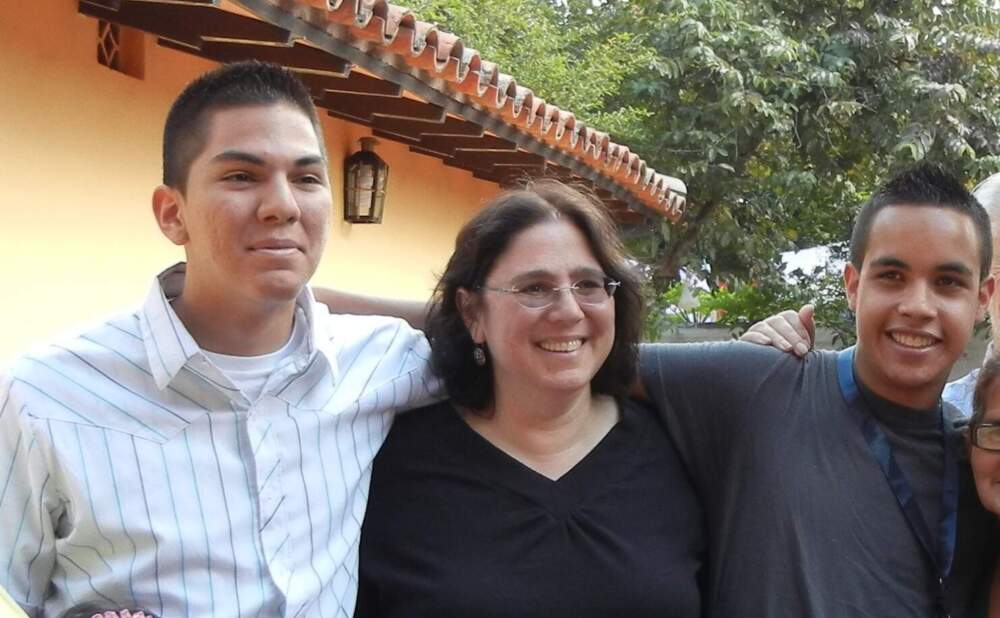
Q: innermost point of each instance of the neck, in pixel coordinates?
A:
(551, 434)
(542, 426)
(921, 396)
(228, 326)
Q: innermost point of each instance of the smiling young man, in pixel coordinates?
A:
(832, 486)
(209, 454)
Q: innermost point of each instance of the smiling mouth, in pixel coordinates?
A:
(915, 342)
(561, 346)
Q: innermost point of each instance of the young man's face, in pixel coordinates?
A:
(916, 298)
(254, 213)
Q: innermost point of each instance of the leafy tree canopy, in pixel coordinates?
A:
(780, 116)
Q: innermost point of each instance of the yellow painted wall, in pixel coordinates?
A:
(79, 158)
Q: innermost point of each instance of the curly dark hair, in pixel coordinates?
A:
(480, 244)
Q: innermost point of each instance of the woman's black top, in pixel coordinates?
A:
(456, 527)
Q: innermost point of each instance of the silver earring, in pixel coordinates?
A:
(479, 354)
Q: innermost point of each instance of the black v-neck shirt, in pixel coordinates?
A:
(456, 527)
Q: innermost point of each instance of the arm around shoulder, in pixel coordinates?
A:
(413, 311)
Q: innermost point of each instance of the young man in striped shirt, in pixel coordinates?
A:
(209, 453)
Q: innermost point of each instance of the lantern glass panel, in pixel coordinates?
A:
(364, 188)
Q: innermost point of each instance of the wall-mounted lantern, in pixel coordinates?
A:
(365, 176)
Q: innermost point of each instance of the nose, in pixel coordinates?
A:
(918, 300)
(566, 306)
(278, 203)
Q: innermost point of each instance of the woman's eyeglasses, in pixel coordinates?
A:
(986, 436)
(540, 295)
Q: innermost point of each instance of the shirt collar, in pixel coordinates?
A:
(169, 345)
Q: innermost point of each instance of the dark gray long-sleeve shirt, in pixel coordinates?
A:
(801, 520)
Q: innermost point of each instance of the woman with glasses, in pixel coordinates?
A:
(984, 451)
(538, 489)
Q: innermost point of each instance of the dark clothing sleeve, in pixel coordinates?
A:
(705, 394)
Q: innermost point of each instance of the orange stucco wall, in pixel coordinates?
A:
(80, 158)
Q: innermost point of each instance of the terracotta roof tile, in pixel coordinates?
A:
(444, 55)
(393, 35)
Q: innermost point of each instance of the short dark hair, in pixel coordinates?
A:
(480, 244)
(232, 85)
(988, 374)
(923, 185)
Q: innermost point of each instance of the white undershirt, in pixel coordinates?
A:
(250, 373)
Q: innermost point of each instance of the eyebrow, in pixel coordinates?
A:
(541, 272)
(246, 157)
(949, 267)
(890, 262)
(955, 267)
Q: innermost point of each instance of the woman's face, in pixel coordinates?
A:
(545, 350)
(986, 464)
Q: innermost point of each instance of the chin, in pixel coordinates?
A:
(280, 287)
(990, 500)
(568, 383)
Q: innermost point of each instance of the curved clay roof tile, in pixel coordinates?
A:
(506, 88)
(477, 75)
(536, 115)
(586, 142)
(370, 21)
(341, 11)
(470, 82)
(448, 56)
(522, 100)
(565, 121)
(550, 116)
(422, 46)
(599, 145)
(425, 58)
(613, 161)
(639, 175)
(575, 136)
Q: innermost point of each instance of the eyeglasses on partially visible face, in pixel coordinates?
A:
(588, 291)
(986, 436)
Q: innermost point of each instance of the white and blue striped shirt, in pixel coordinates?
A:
(133, 473)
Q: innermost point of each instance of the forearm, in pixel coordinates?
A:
(413, 311)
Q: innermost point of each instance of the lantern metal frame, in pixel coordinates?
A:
(366, 177)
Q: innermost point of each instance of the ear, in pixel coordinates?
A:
(470, 308)
(852, 277)
(167, 210)
(986, 290)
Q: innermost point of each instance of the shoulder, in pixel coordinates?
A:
(115, 340)
(712, 352)
(87, 378)
(426, 421)
(729, 358)
(419, 436)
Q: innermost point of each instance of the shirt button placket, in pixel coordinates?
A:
(264, 420)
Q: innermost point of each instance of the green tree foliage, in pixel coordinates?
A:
(780, 116)
(560, 51)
